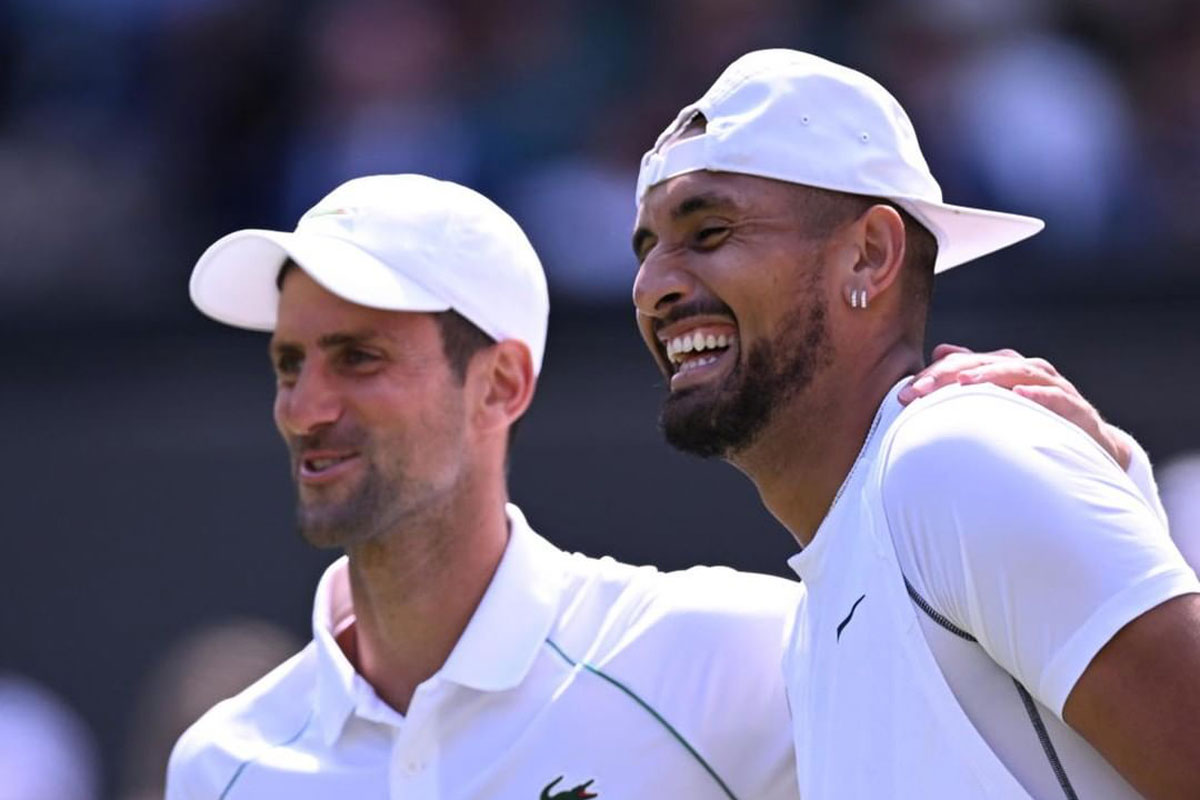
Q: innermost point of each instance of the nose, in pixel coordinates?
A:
(307, 403)
(660, 284)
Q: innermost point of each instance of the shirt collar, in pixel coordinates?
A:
(808, 562)
(494, 653)
(333, 611)
(513, 619)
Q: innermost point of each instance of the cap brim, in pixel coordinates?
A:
(234, 281)
(965, 233)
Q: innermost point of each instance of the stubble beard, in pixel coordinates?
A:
(725, 419)
(368, 510)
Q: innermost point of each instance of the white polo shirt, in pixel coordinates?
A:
(979, 555)
(576, 677)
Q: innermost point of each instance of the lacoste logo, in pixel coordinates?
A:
(579, 792)
(846, 621)
(330, 212)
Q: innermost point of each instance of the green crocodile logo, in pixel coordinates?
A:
(579, 792)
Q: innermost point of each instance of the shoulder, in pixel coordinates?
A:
(983, 417)
(702, 649)
(233, 731)
(702, 615)
(981, 440)
(701, 602)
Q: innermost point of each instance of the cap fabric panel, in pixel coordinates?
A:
(794, 117)
(394, 242)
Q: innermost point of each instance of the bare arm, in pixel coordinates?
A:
(1138, 701)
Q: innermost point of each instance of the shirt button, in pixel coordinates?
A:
(413, 767)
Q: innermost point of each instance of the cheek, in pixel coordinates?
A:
(412, 414)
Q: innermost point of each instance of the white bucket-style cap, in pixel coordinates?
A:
(395, 242)
(794, 117)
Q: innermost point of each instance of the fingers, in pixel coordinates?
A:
(1035, 379)
(948, 368)
(1012, 373)
(1072, 407)
(956, 364)
(944, 349)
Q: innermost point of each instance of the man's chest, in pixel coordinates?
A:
(584, 733)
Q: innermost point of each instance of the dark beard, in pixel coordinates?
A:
(357, 518)
(371, 507)
(709, 421)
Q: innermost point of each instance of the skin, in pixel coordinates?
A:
(720, 238)
(372, 390)
(716, 240)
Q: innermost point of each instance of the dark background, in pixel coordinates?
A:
(145, 494)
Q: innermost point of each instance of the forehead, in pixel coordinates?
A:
(307, 309)
(703, 190)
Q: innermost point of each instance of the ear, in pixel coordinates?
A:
(506, 380)
(877, 255)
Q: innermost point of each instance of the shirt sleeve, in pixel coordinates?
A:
(1142, 475)
(1025, 533)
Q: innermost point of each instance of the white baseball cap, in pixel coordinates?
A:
(395, 242)
(794, 117)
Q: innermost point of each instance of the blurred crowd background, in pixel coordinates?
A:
(150, 565)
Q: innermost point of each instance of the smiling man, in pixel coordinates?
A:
(993, 608)
(457, 654)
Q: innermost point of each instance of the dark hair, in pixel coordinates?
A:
(822, 210)
(461, 339)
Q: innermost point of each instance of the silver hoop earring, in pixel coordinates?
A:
(864, 298)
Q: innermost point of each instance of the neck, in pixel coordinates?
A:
(415, 590)
(801, 459)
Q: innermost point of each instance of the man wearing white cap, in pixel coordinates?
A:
(994, 609)
(455, 653)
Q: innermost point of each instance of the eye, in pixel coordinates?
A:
(287, 363)
(711, 235)
(354, 357)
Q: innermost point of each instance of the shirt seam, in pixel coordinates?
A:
(237, 773)
(1035, 718)
(679, 737)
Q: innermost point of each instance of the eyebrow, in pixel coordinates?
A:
(705, 201)
(330, 340)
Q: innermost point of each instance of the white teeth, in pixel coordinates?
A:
(320, 464)
(696, 342)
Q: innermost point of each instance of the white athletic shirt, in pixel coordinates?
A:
(576, 677)
(1025, 549)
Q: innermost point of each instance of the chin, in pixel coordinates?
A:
(711, 422)
(331, 525)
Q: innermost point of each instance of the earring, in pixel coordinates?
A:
(858, 298)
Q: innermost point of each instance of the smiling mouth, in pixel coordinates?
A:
(698, 348)
(317, 467)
